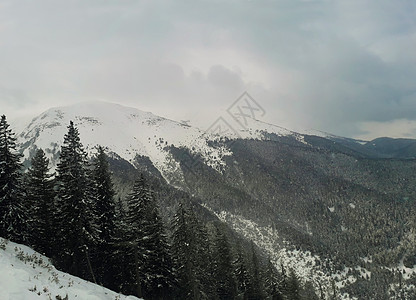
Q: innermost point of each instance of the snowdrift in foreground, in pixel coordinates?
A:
(26, 275)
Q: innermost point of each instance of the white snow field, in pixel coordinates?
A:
(28, 275)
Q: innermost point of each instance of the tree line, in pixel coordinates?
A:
(72, 217)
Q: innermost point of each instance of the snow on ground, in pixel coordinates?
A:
(28, 275)
(406, 272)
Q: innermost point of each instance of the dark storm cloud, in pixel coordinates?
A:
(338, 66)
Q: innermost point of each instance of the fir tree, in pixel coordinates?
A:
(75, 211)
(40, 197)
(148, 247)
(12, 208)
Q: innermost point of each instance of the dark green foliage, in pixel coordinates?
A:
(103, 197)
(308, 292)
(147, 247)
(256, 285)
(293, 286)
(12, 206)
(242, 274)
(75, 215)
(223, 268)
(290, 186)
(122, 244)
(40, 199)
(185, 250)
(272, 282)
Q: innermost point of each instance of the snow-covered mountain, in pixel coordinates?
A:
(129, 132)
(26, 275)
(311, 201)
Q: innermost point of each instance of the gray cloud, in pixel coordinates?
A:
(329, 65)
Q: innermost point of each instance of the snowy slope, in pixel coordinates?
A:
(128, 132)
(27, 275)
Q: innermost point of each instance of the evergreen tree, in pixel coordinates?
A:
(121, 248)
(293, 286)
(256, 291)
(103, 197)
(225, 283)
(308, 292)
(185, 249)
(148, 247)
(77, 230)
(12, 208)
(242, 275)
(40, 198)
(271, 280)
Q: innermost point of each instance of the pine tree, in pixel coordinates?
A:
(75, 210)
(103, 197)
(148, 247)
(40, 198)
(12, 207)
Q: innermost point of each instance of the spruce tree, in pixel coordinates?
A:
(103, 194)
(271, 281)
(186, 247)
(223, 268)
(77, 230)
(256, 291)
(293, 286)
(147, 245)
(121, 246)
(103, 197)
(242, 274)
(40, 198)
(12, 207)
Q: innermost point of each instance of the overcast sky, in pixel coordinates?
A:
(347, 67)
